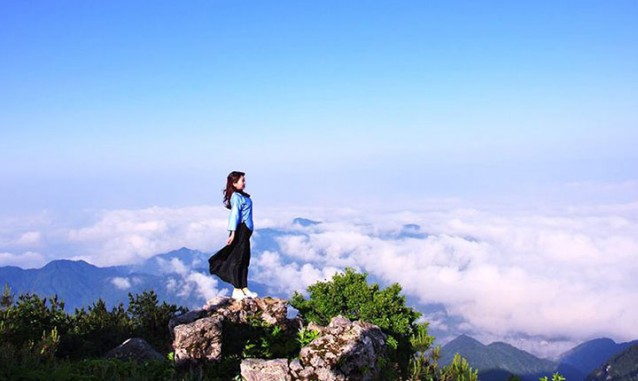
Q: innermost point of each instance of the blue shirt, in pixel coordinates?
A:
(241, 210)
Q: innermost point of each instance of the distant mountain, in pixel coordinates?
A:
(497, 361)
(467, 347)
(591, 354)
(412, 231)
(178, 277)
(165, 263)
(175, 276)
(621, 367)
(77, 283)
(304, 222)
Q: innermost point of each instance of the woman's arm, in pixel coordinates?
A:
(231, 237)
(233, 218)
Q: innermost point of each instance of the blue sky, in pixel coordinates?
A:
(121, 104)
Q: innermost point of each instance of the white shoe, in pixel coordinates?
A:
(238, 294)
(249, 293)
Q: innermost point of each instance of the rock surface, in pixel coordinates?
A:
(265, 370)
(199, 340)
(134, 349)
(349, 350)
(197, 335)
(344, 350)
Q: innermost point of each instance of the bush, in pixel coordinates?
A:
(149, 319)
(42, 342)
(411, 355)
(555, 377)
(86, 333)
(29, 318)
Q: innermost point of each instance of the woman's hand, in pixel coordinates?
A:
(231, 237)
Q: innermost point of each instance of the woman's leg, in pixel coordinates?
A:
(229, 262)
(243, 275)
(240, 255)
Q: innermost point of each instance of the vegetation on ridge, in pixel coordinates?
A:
(42, 342)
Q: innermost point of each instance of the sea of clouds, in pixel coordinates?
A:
(541, 279)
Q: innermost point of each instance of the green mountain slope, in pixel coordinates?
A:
(622, 367)
(497, 361)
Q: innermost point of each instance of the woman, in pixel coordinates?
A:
(231, 262)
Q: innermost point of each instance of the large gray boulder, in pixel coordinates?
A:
(199, 340)
(197, 335)
(345, 350)
(134, 349)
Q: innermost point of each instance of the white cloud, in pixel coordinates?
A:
(130, 236)
(26, 260)
(268, 268)
(172, 266)
(30, 238)
(191, 282)
(204, 286)
(172, 285)
(506, 275)
(24, 233)
(121, 283)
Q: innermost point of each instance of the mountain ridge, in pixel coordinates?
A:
(595, 351)
(497, 361)
(621, 367)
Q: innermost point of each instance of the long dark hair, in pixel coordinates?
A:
(228, 191)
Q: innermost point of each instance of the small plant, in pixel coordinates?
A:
(48, 344)
(555, 377)
(270, 341)
(305, 336)
(459, 370)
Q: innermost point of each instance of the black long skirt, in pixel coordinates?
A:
(231, 262)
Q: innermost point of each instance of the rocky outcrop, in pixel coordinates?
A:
(198, 334)
(348, 350)
(343, 350)
(134, 349)
(199, 340)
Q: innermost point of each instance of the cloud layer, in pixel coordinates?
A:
(524, 276)
(540, 279)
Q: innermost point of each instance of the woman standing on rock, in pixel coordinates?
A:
(231, 262)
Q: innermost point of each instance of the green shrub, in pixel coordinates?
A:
(411, 355)
(555, 377)
(458, 370)
(350, 295)
(149, 319)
